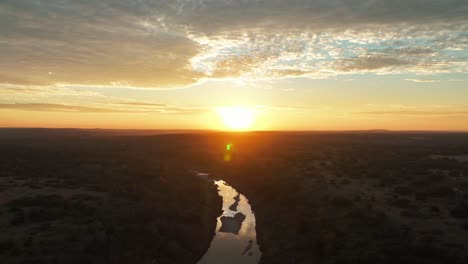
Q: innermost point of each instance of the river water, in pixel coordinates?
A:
(235, 240)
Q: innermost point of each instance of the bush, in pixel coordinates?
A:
(340, 201)
(401, 203)
(461, 210)
(402, 190)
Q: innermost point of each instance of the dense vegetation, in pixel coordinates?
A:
(318, 197)
(355, 198)
(87, 199)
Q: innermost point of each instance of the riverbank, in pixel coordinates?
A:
(354, 199)
(100, 200)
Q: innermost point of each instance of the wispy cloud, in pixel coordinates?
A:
(109, 108)
(7, 89)
(415, 112)
(289, 89)
(46, 107)
(146, 104)
(294, 108)
(423, 80)
(391, 106)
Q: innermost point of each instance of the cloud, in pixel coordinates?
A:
(143, 107)
(415, 113)
(221, 16)
(80, 44)
(391, 106)
(423, 80)
(289, 89)
(234, 66)
(141, 104)
(13, 78)
(11, 90)
(294, 108)
(162, 43)
(130, 107)
(369, 63)
(410, 51)
(46, 107)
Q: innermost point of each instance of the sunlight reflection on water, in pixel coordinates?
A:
(230, 247)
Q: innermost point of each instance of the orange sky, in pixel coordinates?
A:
(173, 64)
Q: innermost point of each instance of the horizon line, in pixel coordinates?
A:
(241, 131)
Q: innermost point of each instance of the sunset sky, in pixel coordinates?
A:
(295, 65)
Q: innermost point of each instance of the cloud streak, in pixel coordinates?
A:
(423, 80)
(415, 113)
(46, 107)
(110, 108)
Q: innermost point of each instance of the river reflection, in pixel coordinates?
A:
(231, 244)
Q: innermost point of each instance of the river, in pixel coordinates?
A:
(235, 240)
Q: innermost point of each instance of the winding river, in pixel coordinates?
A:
(235, 240)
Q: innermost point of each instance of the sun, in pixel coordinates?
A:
(237, 118)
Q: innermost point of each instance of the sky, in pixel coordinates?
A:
(295, 64)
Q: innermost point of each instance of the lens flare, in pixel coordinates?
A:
(229, 146)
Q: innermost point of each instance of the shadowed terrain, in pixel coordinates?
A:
(368, 197)
(68, 197)
(355, 198)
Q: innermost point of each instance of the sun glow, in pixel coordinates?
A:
(237, 118)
